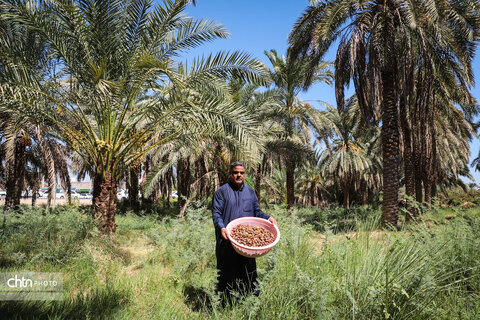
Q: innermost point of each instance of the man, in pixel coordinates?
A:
(231, 201)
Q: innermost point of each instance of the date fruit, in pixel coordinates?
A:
(252, 236)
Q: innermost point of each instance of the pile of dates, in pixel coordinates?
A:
(252, 236)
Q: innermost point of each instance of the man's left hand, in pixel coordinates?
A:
(272, 220)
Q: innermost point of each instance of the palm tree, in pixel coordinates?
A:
(454, 130)
(36, 154)
(259, 103)
(313, 185)
(15, 152)
(374, 37)
(23, 57)
(430, 117)
(200, 155)
(349, 161)
(276, 185)
(289, 78)
(111, 53)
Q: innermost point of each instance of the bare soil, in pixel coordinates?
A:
(41, 201)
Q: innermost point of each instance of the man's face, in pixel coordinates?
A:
(238, 175)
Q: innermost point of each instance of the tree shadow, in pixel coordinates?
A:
(198, 298)
(101, 303)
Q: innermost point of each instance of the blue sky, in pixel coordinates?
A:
(256, 26)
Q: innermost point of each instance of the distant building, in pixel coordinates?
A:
(82, 185)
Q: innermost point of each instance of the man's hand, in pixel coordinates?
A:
(224, 233)
(272, 220)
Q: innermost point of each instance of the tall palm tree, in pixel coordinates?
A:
(289, 77)
(110, 54)
(373, 38)
(454, 128)
(438, 107)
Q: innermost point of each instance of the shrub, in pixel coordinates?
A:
(30, 237)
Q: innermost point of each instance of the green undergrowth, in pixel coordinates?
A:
(460, 198)
(329, 264)
(336, 219)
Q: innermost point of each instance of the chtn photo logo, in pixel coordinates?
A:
(28, 285)
(16, 282)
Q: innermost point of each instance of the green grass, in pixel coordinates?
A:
(329, 264)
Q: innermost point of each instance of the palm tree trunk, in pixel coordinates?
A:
(10, 185)
(313, 195)
(95, 191)
(216, 181)
(105, 202)
(428, 191)
(50, 166)
(20, 171)
(409, 181)
(133, 187)
(67, 185)
(390, 149)
(166, 203)
(258, 181)
(429, 149)
(346, 196)
(408, 162)
(423, 151)
(35, 187)
(364, 192)
(290, 175)
(170, 184)
(147, 164)
(418, 144)
(183, 181)
(208, 180)
(418, 173)
(202, 178)
(34, 198)
(15, 177)
(434, 183)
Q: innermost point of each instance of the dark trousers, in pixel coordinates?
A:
(235, 272)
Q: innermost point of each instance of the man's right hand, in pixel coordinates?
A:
(224, 233)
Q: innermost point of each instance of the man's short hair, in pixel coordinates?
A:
(237, 163)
